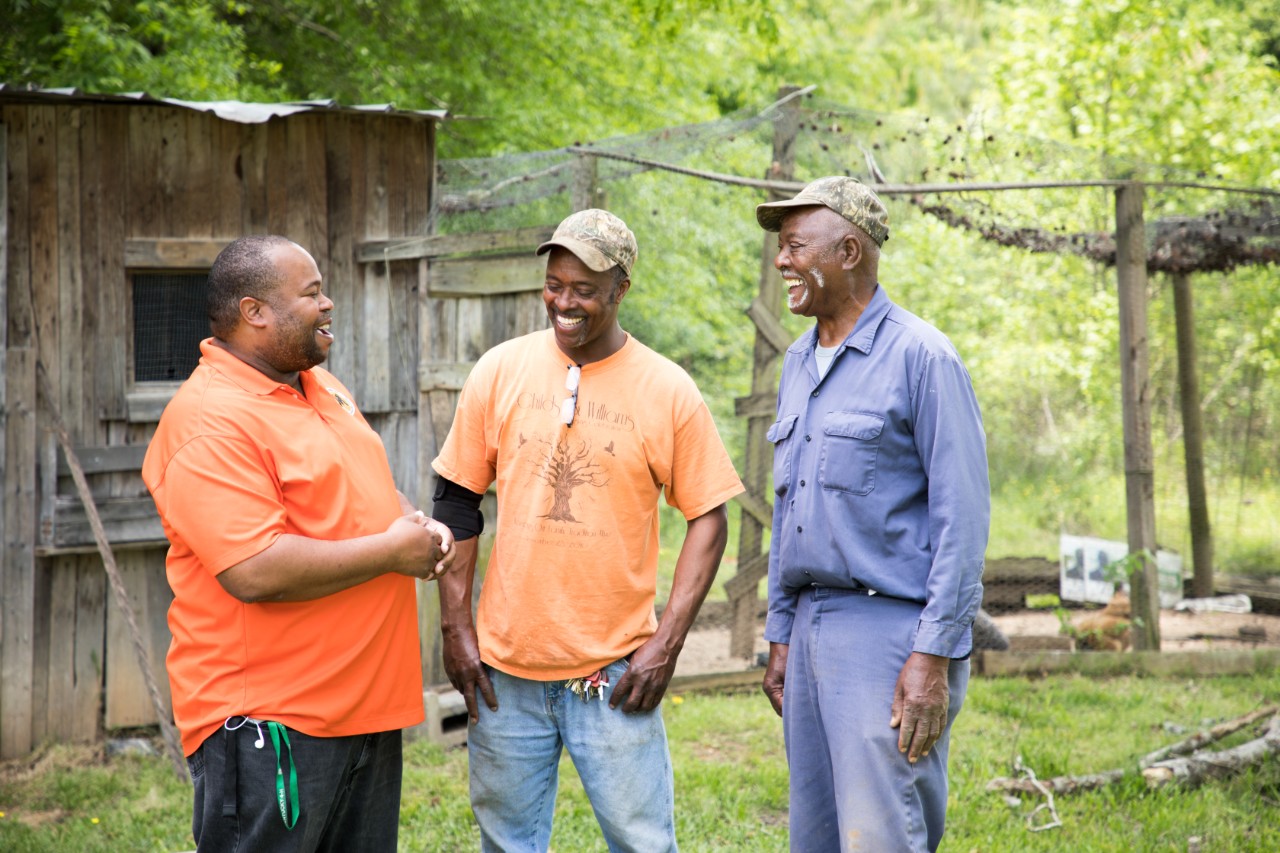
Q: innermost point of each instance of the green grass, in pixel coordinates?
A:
(731, 779)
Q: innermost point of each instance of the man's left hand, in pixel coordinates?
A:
(642, 686)
(920, 701)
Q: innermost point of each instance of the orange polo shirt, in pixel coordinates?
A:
(237, 460)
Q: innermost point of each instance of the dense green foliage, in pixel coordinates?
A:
(731, 778)
(1156, 89)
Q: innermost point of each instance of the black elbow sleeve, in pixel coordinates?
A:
(458, 509)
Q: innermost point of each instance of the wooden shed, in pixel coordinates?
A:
(112, 209)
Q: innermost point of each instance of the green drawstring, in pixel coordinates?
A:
(277, 733)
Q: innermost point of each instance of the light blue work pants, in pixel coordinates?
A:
(622, 759)
(851, 790)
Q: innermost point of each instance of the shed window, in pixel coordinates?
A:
(169, 322)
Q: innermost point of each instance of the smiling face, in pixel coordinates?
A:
(300, 314)
(582, 305)
(814, 259)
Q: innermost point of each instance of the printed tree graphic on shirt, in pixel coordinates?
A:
(566, 466)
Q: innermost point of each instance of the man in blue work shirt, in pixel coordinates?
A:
(880, 521)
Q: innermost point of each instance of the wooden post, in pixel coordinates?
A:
(1135, 389)
(1193, 437)
(585, 192)
(753, 564)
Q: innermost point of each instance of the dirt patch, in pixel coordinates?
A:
(707, 648)
(1179, 630)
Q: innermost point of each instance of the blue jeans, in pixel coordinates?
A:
(851, 790)
(621, 758)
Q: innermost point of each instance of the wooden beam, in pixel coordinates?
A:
(760, 510)
(443, 375)
(439, 245)
(748, 577)
(1135, 389)
(771, 338)
(585, 191)
(768, 326)
(487, 276)
(172, 253)
(756, 405)
(1193, 438)
(1184, 664)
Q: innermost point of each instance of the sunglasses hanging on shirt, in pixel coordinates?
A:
(570, 405)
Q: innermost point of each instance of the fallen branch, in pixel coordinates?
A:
(1092, 781)
(1206, 764)
(1200, 739)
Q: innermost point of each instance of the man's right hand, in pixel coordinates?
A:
(775, 675)
(424, 546)
(466, 671)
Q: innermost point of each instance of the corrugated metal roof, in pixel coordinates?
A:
(240, 111)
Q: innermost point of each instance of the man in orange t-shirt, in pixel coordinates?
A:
(583, 428)
(294, 663)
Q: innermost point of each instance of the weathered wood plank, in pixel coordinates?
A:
(89, 429)
(419, 175)
(340, 274)
(280, 165)
(59, 672)
(41, 642)
(76, 411)
(171, 253)
(90, 651)
(196, 199)
(438, 245)
(1180, 664)
(171, 175)
(444, 375)
(488, 276)
(42, 172)
(128, 702)
(97, 460)
(403, 332)
(123, 519)
(768, 325)
(374, 374)
(16, 605)
(750, 573)
(4, 318)
(756, 405)
(144, 193)
(227, 174)
(255, 217)
(118, 177)
(760, 510)
(145, 404)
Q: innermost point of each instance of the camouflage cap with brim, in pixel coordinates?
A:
(598, 238)
(848, 197)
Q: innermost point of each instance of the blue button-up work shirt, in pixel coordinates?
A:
(880, 477)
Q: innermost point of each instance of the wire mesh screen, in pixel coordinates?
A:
(169, 321)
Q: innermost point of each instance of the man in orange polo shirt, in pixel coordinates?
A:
(294, 663)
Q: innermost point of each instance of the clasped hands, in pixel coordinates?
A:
(425, 545)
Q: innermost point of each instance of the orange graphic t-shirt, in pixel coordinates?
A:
(571, 580)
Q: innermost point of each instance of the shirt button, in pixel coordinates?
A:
(799, 529)
(808, 438)
(802, 483)
(815, 392)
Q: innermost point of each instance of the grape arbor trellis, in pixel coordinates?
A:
(1177, 246)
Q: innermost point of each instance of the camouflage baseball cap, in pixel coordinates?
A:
(599, 239)
(848, 197)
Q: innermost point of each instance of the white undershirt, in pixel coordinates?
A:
(824, 355)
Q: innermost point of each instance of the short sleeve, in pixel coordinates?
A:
(222, 472)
